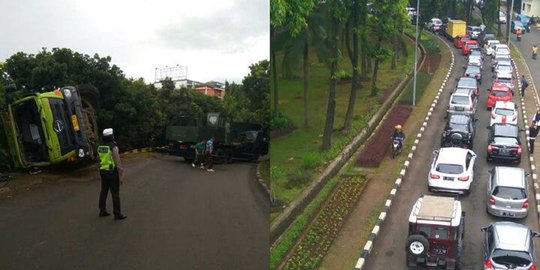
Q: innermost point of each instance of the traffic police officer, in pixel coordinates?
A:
(111, 173)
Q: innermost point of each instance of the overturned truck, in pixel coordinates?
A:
(242, 141)
(47, 128)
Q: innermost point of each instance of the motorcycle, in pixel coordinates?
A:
(519, 38)
(397, 146)
(534, 56)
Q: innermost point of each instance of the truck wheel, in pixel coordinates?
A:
(417, 245)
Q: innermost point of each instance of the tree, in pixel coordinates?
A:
(338, 11)
(383, 28)
(292, 16)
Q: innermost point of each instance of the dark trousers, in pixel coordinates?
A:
(110, 180)
(531, 144)
(209, 161)
(199, 159)
(523, 91)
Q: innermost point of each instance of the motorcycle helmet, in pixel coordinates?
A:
(398, 127)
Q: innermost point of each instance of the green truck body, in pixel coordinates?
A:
(243, 141)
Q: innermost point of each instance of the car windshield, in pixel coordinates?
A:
(499, 93)
(504, 112)
(510, 257)
(473, 69)
(512, 193)
(449, 168)
(467, 83)
(505, 141)
(472, 46)
(460, 100)
(476, 54)
(502, 51)
(504, 68)
(504, 80)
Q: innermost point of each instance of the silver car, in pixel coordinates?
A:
(463, 101)
(509, 245)
(507, 192)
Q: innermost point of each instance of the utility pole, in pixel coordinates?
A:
(509, 21)
(416, 52)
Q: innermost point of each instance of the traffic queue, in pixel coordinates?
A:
(436, 221)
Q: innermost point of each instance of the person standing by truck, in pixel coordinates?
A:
(112, 173)
(209, 155)
(199, 155)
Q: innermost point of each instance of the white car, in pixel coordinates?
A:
(504, 112)
(502, 17)
(489, 47)
(434, 24)
(411, 11)
(502, 49)
(452, 170)
(475, 61)
(503, 67)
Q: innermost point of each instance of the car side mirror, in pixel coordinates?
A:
(435, 152)
(488, 127)
(488, 89)
(528, 174)
(475, 119)
(521, 129)
(485, 229)
(536, 234)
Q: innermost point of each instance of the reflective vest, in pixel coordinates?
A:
(106, 158)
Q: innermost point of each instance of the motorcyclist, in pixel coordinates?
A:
(534, 51)
(398, 134)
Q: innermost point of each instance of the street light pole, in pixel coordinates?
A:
(509, 23)
(416, 53)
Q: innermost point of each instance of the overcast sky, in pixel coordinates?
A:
(215, 39)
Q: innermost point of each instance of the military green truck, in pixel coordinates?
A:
(47, 128)
(241, 141)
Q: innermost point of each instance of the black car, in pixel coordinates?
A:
(504, 143)
(459, 131)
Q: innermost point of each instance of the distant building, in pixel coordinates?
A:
(212, 88)
(530, 7)
(180, 83)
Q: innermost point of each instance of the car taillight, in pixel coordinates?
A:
(434, 176)
(490, 149)
(488, 265)
(519, 150)
(533, 267)
(463, 178)
(526, 204)
(492, 200)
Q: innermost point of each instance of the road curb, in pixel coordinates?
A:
(261, 182)
(140, 150)
(360, 264)
(534, 175)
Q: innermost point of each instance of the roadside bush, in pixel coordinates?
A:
(299, 179)
(343, 75)
(312, 160)
(279, 121)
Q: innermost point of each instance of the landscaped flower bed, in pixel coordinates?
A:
(377, 147)
(325, 228)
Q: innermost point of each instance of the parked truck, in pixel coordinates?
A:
(53, 127)
(455, 28)
(243, 141)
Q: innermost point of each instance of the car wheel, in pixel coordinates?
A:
(417, 245)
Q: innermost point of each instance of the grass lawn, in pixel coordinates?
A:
(422, 81)
(296, 157)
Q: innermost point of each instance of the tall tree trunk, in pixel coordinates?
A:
(348, 40)
(396, 52)
(275, 84)
(356, 75)
(499, 33)
(331, 109)
(374, 90)
(306, 82)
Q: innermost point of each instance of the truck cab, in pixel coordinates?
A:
(48, 128)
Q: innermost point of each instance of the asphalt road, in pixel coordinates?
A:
(389, 249)
(178, 218)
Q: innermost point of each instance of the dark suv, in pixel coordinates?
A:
(459, 131)
(436, 230)
(504, 143)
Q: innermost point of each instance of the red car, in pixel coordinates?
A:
(459, 40)
(468, 45)
(499, 92)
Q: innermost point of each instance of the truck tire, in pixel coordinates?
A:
(417, 245)
(89, 94)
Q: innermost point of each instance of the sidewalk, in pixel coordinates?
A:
(529, 105)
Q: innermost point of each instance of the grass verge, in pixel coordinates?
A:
(296, 157)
